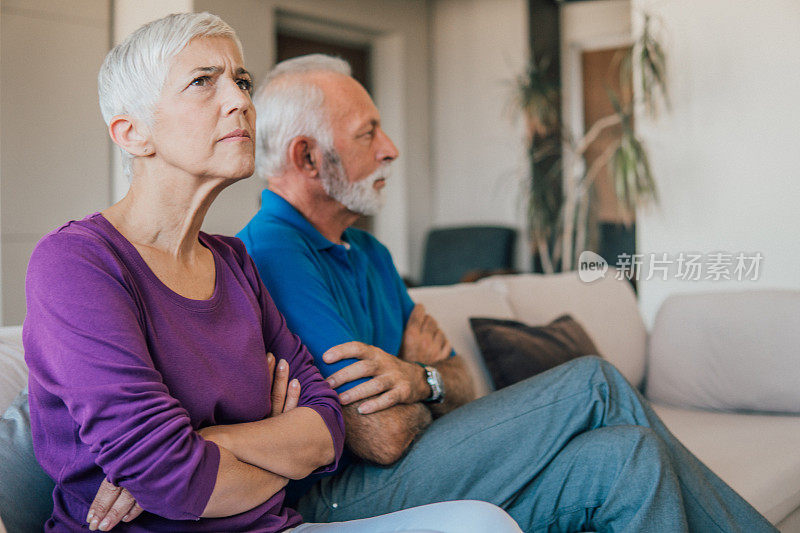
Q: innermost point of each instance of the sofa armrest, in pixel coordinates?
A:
(727, 351)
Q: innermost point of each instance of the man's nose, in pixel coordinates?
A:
(387, 151)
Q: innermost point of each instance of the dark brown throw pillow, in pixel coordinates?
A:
(514, 351)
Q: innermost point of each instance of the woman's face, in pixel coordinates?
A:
(205, 121)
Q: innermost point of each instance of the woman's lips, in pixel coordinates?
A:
(237, 135)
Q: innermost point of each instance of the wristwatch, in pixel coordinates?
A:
(434, 379)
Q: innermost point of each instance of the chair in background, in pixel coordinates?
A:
(453, 253)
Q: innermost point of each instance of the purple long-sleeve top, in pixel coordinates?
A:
(123, 371)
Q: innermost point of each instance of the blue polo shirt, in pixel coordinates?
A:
(329, 293)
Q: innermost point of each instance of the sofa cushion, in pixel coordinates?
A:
(606, 308)
(727, 351)
(26, 492)
(452, 306)
(13, 371)
(755, 454)
(514, 351)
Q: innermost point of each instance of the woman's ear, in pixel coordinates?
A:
(128, 134)
(303, 155)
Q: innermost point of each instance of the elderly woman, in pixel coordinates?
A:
(150, 342)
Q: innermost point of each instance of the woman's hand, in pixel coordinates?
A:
(110, 505)
(285, 394)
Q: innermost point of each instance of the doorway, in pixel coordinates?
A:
(601, 71)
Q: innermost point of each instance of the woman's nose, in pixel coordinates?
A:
(235, 99)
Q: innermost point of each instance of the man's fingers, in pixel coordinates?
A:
(430, 326)
(122, 506)
(133, 513)
(348, 350)
(447, 349)
(417, 316)
(102, 503)
(384, 401)
(292, 396)
(359, 369)
(279, 385)
(363, 391)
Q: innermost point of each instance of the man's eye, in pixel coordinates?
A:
(245, 84)
(200, 81)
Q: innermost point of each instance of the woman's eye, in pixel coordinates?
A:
(245, 84)
(200, 81)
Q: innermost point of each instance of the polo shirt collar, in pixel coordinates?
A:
(276, 206)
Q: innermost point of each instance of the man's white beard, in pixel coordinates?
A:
(359, 197)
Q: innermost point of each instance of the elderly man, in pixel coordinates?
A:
(573, 449)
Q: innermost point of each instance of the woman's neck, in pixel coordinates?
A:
(165, 214)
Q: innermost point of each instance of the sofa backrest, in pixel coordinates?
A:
(606, 308)
(727, 351)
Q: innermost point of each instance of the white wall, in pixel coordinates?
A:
(726, 158)
(55, 156)
(478, 159)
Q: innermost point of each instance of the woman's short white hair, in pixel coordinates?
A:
(289, 105)
(133, 73)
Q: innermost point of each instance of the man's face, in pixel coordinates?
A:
(355, 171)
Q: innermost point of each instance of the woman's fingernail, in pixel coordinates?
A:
(89, 516)
(294, 383)
(283, 365)
(93, 525)
(104, 525)
(126, 518)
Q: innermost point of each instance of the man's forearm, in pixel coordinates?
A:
(292, 444)
(384, 437)
(458, 385)
(240, 487)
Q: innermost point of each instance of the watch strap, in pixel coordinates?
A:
(434, 379)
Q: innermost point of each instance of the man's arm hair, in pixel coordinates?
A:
(458, 385)
(384, 437)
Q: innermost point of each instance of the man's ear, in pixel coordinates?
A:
(128, 134)
(304, 156)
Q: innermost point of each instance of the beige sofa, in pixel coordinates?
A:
(699, 355)
(706, 353)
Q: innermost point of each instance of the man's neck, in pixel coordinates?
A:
(328, 216)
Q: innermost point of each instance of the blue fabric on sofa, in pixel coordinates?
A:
(26, 491)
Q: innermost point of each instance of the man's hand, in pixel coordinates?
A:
(423, 341)
(394, 381)
(110, 505)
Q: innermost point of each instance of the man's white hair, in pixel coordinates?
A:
(289, 105)
(133, 73)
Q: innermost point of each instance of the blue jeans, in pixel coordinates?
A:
(573, 449)
(463, 516)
